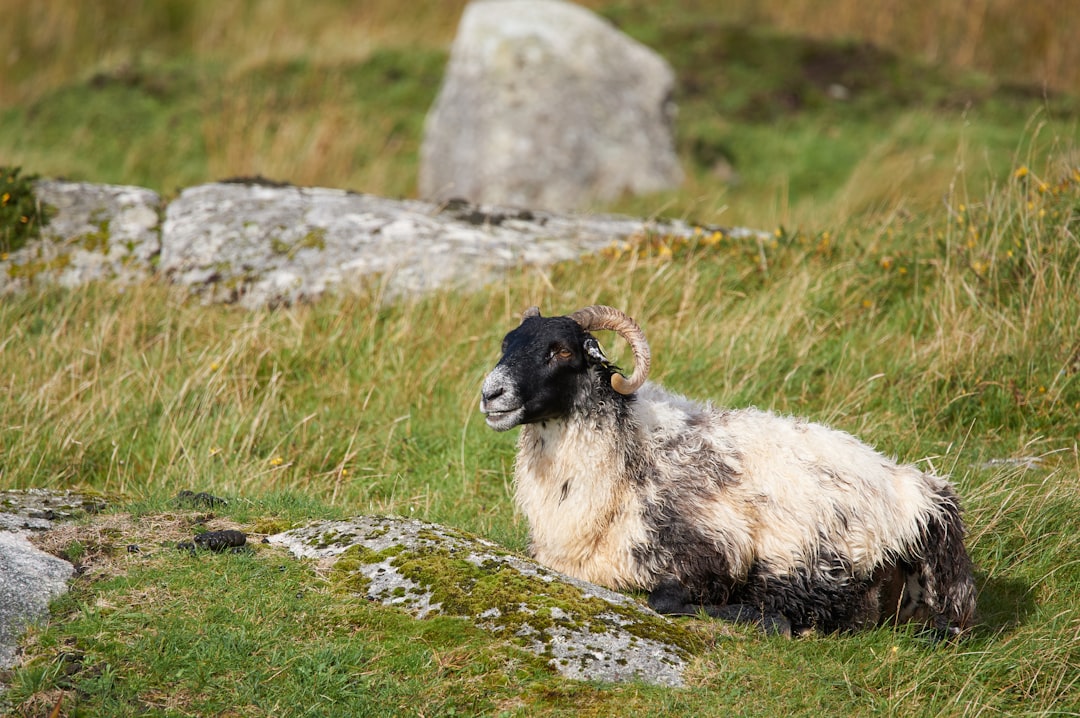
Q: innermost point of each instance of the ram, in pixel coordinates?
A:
(740, 513)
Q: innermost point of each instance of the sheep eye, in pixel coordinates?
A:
(560, 353)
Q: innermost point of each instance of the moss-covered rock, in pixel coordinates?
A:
(95, 232)
(585, 631)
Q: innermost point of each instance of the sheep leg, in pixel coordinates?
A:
(671, 598)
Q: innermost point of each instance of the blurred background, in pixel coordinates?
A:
(791, 113)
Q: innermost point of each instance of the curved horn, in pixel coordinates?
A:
(600, 317)
(530, 312)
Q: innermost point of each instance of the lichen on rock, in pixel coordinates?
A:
(95, 232)
(583, 630)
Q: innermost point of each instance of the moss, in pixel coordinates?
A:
(376, 533)
(329, 538)
(346, 577)
(279, 246)
(314, 239)
(271, 526)
(362, 555)
(98, 240)
(525, 602)
(31, 270)
(346, 574)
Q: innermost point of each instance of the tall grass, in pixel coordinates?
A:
(946, 338)
(921, 329)
(167, 95)
(49, 44)
(1005, 38)
(920, 290)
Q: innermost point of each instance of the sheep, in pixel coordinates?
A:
(742, 514)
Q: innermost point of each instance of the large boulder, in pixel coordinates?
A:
(546, 105)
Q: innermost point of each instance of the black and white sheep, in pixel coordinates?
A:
(743, 514)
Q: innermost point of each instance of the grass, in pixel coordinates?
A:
(920, 290)
(761, 133)
(947, 336)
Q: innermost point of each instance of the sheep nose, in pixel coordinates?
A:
(491, 393)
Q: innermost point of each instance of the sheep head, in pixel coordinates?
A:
(546, 365)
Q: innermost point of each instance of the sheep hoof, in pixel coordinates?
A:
(770, 623)
(773, 624)
(671, 599)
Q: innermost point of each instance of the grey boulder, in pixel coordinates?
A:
(546, 105)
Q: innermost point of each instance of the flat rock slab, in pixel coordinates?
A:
(585, 631)
(267, 245)
(262, 244)
(38, 509)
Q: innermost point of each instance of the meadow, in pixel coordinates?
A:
(921, 289)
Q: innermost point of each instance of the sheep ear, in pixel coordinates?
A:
(594, 352)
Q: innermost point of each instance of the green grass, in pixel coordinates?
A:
(920, 290)
(161, 109)
(948, 335)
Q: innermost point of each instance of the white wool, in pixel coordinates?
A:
(800, 488)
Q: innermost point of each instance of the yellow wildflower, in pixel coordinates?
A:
(1021, 171)
(277, 461)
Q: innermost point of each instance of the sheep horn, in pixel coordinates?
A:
(530, 312)
(600, 317)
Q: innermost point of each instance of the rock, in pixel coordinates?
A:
(38, 509)
(263, 245)
(546, 105)
(584, 631)
(267, 245)
(95, 232)
(29, 577)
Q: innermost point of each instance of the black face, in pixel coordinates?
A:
(543, 370)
